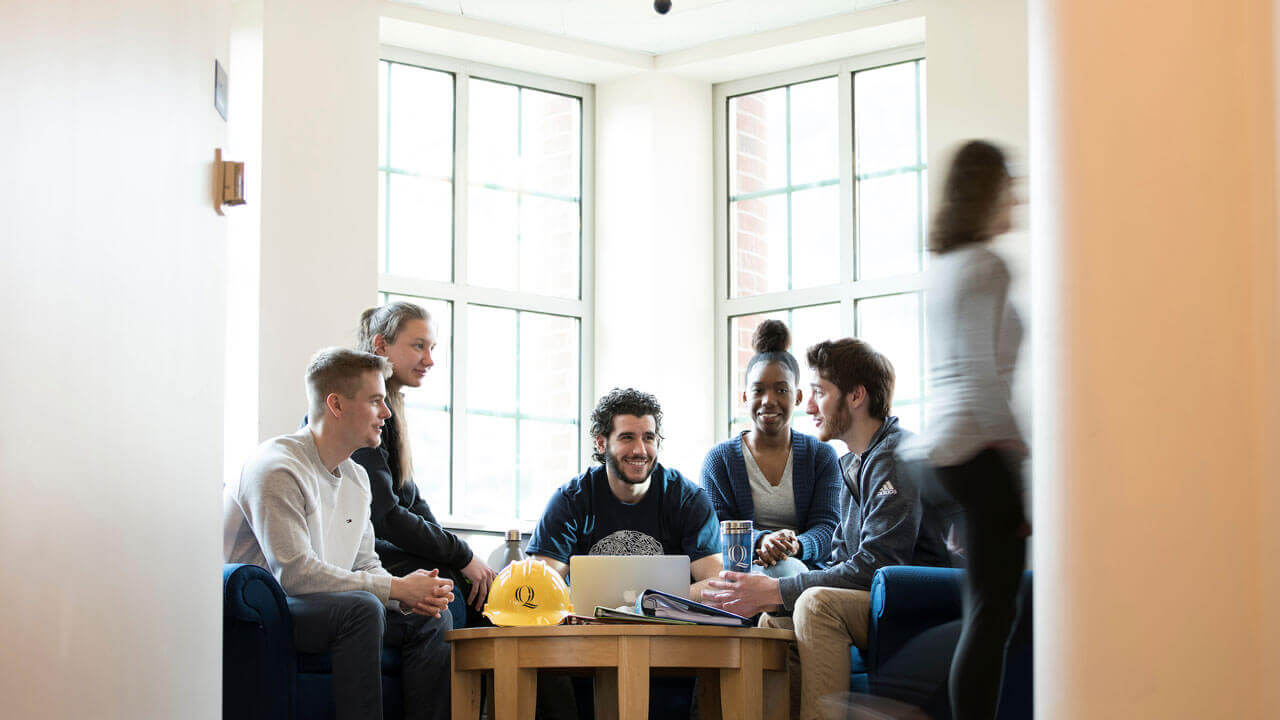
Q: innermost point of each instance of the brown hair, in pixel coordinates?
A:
(974, 182)
(339, 370)
(388, 320)
(850, 362)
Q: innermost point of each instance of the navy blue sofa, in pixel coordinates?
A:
(915, 623)
(263, 676)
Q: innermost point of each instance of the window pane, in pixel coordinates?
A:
(420, 126)
(420, 227)
(429, 441)
(548, 459)
(909, 416)
(492, 255)
(815, 119)
(889, 225)
(892, 325)
(523, 242)
(884, 118)
(809, 325)
(494, 132)
(491, 468)
(491, 359)
(524, 212)
(550, 142)
(758, 141)
(548, 366)
(427, 409)
(549, 232)
(758, 231)
(815, 237)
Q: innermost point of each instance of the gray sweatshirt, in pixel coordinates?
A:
(882, 521)
(974, 334)
(308, 526)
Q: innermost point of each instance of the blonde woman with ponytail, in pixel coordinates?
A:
(408, 536)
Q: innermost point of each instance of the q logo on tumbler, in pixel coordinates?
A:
(735, 540)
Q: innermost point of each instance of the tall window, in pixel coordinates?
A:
(481, 174)
(822, 189)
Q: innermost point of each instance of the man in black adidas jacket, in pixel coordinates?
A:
(883, 521)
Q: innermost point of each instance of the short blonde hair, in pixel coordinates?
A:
(339, 370)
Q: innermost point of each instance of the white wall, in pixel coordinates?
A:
(112, 293)
(319, 195)
(654, 324)
(244, 236)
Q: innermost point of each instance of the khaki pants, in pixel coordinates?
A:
(826, 622)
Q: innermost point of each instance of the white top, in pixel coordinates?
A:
(775, 506)
(308, 526)
(974, 334)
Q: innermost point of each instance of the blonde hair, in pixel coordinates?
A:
(388, 320)
(339, 370)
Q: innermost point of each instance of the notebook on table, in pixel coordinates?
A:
(670, 607)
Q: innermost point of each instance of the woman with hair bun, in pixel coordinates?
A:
(408, 535)
(787, 483)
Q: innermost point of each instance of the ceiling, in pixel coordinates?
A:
(633, 25)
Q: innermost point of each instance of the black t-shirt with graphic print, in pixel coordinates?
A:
(585, 518)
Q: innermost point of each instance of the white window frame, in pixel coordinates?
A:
(847, 291)
(460, 294)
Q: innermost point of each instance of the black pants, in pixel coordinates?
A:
(353, 627)
(989, 489)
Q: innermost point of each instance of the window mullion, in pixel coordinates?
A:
(848, 203)
(461, 321)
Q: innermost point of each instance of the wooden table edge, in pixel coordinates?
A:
(554, 631)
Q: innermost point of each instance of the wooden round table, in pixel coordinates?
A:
(742, 672)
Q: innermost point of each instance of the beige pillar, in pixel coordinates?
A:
(1154, 223)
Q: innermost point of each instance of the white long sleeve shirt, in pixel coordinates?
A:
(974, 335)
(309, 527)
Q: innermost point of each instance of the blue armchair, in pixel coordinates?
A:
(915, 623)
(263, 676)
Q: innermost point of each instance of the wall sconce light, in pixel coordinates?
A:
(228, 182)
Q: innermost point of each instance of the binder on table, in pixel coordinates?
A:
(655, 603)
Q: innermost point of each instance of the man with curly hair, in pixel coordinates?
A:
(629, 504)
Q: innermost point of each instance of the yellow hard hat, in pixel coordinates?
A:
(528, 592)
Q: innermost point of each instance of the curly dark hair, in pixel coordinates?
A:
(623, 401)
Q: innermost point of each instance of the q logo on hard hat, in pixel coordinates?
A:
(527, 592)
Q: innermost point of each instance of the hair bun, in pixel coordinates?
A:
(771, 336)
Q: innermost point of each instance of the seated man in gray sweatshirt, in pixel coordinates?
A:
(301, 509)
(882, 522)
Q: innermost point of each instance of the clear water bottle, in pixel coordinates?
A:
(506, 553)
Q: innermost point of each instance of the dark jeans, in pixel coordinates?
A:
(353, 627)
(989, 489)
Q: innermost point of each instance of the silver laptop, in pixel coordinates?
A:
(615, 580)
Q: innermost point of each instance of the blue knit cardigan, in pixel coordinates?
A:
(815, 482)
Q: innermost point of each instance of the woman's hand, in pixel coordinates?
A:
(776, 547)
(481, 577)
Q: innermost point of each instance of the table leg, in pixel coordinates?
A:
(465, 694)
(606, 694)
(709, 695)
(633, 678)
(515, 689)
(777, 695)
(742, 688)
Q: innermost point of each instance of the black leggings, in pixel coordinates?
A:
(989, 488)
